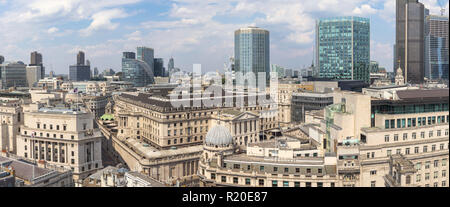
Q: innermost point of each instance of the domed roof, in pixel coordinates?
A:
(219, 135)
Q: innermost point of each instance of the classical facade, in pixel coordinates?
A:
(11, 117)
(283, 162)
(61, 137)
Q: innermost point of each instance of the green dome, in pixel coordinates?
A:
(107, 117)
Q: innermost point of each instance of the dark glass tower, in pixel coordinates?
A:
(410, 38)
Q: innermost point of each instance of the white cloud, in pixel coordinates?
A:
(364, 9)
(52, 30)
(102, 20)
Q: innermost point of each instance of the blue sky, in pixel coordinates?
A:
(192, 31)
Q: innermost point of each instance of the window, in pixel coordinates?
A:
(286, 170)
(442, 146)
(308, 170)
(416, 150)
(395, 137)
(422, 135)
(386, 124)
(433, 147)
(224, 179)
(438, 133)
(407, 151)
(373, 184)
(444, 162)
(261, 182)
(414, 135)
(389, 153)
(386, 138)
(308, 184)
(425, 148)
(275, 169)
(436, 175)
(444, 173)
(408, 179)
(247, 181)
(427, 176)
(405, 136)
(274, 183)
(430, 134)
(261, 168)
(285, 183)
(373, 172)
(319, 184)
(296, 184)
(399, 151)
(418, 166)
(418, 178)
(436, 163)
(213, 176)
(427, 165)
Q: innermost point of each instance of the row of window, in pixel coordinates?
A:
(34, 134)
(275, 183)
(413, 122)
(275, 169)
(175, 141)
(414, 135)
(416, 150)
(428, 164)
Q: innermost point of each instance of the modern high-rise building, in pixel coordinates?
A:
(95, 72)
(80, 71)
(436, 47)
(13, 74)
(252, 52)
(36, 62)
(159, 67)
(2, 59)
(147, 55)
(343, 48)
(136, 71)
(80, 58)
(170, 67)
(36, 59)
(278, 69)
(410, 38)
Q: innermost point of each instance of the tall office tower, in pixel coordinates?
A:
(80, 71)
(2, 59)
(436, 47)
(410, 37)
(252, 52)
(136, 71)
(88, 62)
(95, 72)
(80, 58)
(170, 66)
(343, 48)
(37, 61)
(147, 55)
(13, 74)
(159, 67)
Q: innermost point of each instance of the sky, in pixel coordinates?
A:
(190, 31)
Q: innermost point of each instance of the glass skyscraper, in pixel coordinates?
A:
(252, 51)
(436, 47)
(343, 48)
(147, 55)
(136, 71)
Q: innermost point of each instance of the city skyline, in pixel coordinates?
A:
(174, 29)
